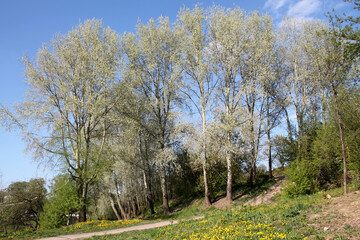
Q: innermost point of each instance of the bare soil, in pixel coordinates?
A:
(222, 203)
(339, 216)
(266, 197)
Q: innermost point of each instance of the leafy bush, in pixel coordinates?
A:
(62, 203)
(302, 179)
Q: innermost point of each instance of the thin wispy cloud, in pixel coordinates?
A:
(304, 8)
(340, 5)
(275, 5)
(298, 10)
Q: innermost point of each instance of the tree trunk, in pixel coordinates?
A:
(253, 153)
(206, 185)
(138, 205)
(299, 118)
(253, 178)
(133, 207)
(338, 114)
(149, 197)
(147, 175)
(164, 190)
(323, 107)
(268, 136)
(114, 208)
(128, 210)
(122, 211)
(82, 213)
(229, 169)
(288, 124)
(83, 198)
(269, 153)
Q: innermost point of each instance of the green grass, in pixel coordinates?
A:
(285, 219)
(91, 226)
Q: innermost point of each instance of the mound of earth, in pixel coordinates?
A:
(265, 198)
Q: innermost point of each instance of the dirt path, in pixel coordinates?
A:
(265, 198)
(117, 231)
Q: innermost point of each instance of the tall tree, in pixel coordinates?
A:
(334, 64)
(295, 38)
(201, 84)
(255, 70)
(155, 61)
(71, 93)
(226, 32)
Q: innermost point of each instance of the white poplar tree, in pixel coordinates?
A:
(295, 38)
(255, 70)
(200, 83)
(65, 114)
(155, 61)
(226, 33)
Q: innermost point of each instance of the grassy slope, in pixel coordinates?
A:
(284, 219)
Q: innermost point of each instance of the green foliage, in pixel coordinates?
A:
(350, 113)
(283, 149)
(326, 152)
(302, 178)
(355, 183)
(63, 202)
(21, 204)
(350, 28)
(320, 165)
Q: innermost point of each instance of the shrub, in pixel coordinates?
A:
(302, 178)
(62, 203)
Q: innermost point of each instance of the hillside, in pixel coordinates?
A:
(339, 216)
(266, 215)
(324, 215)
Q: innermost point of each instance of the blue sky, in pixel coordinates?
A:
(26, 25)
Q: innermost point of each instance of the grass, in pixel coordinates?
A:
(91, 226)
(285, 219)
(184, 209)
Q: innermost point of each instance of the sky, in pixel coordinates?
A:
(26, 25)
